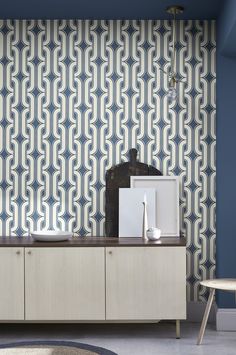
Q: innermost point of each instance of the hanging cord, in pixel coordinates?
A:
(173, 59)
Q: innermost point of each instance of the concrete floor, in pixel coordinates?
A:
(128, 339)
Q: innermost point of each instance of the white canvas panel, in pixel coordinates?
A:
(167, 201)
(131, 210)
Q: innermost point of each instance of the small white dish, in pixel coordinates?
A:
(50, 236)
(153, 233)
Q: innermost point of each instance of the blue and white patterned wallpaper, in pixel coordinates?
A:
(75, 96)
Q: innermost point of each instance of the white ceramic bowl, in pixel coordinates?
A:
(154, 234)
(50, 236)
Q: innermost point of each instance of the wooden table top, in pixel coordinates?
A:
(9, 241)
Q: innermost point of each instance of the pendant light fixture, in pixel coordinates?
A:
(173, 80)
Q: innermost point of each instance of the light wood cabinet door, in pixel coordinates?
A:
(12, 283)
(64, 283)
(145, 283)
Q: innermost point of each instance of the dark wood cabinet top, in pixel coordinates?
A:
(92, 242)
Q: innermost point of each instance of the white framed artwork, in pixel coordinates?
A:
(167, 201)
(131, 210)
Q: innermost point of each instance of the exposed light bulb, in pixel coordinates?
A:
(172, 92)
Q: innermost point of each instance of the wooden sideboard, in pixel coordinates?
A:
(92, 279)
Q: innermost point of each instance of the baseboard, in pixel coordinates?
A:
(195, 312)
(226, 319)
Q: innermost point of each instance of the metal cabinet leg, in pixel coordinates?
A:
(177, 329)
(206, 315)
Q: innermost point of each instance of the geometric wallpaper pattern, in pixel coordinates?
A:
(76, 95)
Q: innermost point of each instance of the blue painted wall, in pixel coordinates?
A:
(226, 150)
(227, 29)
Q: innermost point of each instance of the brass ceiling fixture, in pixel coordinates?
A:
(173, 80)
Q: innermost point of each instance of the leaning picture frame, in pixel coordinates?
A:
(167, 201)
